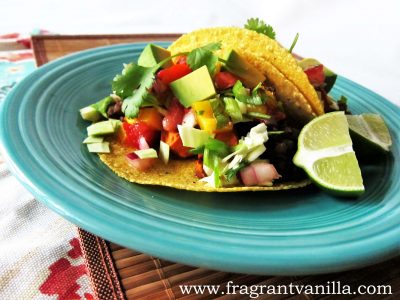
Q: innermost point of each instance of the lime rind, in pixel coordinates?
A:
(326, 154)
(372, 129)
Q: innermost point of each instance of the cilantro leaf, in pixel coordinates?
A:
(131, 104)
(204, 56)
(243, 95)
(125, 83)
(259, 26)
(134, 84)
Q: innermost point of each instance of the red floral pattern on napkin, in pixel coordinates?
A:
(63, 278)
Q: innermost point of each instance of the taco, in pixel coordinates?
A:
(219, 110)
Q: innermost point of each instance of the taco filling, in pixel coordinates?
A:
(219, 110)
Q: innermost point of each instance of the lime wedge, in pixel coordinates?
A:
(325, 152)
(370, 130)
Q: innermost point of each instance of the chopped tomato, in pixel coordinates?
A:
(174, 116)
(316, 75)
(173, 73)
(174, 141)
(151, 117)
(228, 138)
(225, 80)
(133, 133)
(198, 169)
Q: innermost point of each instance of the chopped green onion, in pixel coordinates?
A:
(258, 115)
(294, 42)
(232, 109)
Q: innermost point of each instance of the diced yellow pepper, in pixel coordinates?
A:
(205, 116)
(207, 124)
(203, 109)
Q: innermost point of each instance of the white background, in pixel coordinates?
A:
(357, 39)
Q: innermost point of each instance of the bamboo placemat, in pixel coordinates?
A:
(120, 273)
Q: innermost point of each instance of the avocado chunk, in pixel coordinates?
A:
(93, 139)
(330, 77)
(89, 113)
(152, 55)
(101, 128)
(103, 147)
(193, 137)
(146, 153)
(241, 68)
(196, 86)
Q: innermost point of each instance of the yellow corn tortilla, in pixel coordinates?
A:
(278, 65)
(178, 173)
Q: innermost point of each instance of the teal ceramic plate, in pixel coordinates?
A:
(293, 232)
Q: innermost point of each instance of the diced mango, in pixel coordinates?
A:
(148, 115)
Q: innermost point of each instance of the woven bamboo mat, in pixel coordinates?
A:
(120, 273)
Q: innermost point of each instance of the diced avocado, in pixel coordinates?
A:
(89, 113)
(101, 128)
(196, 86)
(192, 137)
(330, 76)
(164, 152)
(146, 153)
(103, 147)
(241, 68)
(93, 139)
(152, 55)
(115, 123)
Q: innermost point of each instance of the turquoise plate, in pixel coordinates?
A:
(294, 232)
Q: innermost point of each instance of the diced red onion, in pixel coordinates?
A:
(265, 172)
(143, 144)
(140, 164)
(248, 176)
(189, 119)
(259, 173)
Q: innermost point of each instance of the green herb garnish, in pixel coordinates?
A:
(204, 56)
(133, 86)
(216, 146)
(256, 97)
(131, 104)
(258, 115)
(102, 105)
(294, 42)
(260, 26)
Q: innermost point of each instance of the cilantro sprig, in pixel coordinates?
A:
(204, 56)
(242, 94)
(134, 84)
(260, 26)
